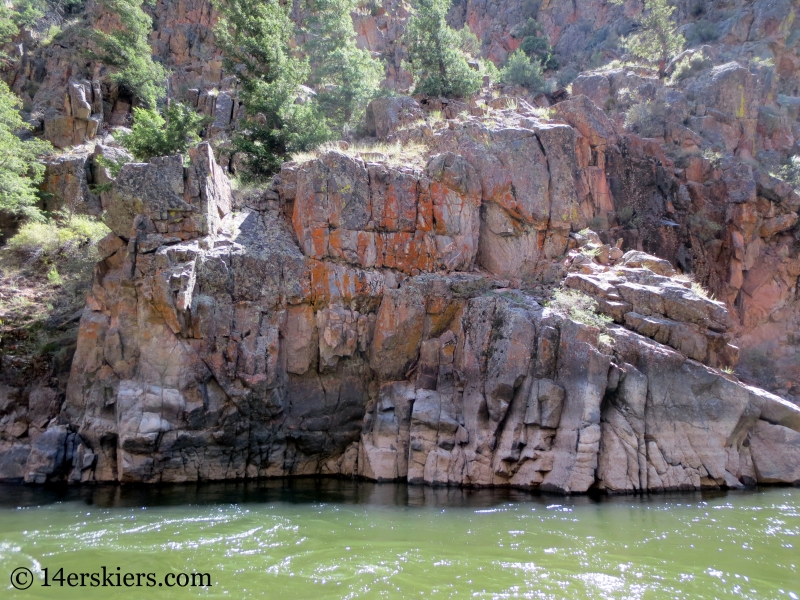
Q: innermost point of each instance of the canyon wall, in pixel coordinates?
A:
(364, 319)
(387, 317)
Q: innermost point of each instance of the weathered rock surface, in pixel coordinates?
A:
(351, 320)
(351, 337)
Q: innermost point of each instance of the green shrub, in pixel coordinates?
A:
(48, 241)
(20, 170)
(153, 135)
(128, 50)
(522, 70)
(625, 216)
(689, 66)
(26, 13)
(469, 42)
(579, 307)
(535, 45)
(703, 227)
(54, 277)
(47, 270)
(701, 32)
(439, 65)
(114, 166)
(647, 119)
(790, 172)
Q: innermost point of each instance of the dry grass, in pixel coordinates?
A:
(544, 113)
(697, 288)
(412, 154)
(45, 273)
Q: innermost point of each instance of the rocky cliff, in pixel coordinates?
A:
(363, 317)
(385, 310)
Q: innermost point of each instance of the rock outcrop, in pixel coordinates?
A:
(384, 320)
(355, 319)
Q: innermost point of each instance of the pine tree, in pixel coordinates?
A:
(435, 57)
(535, 45)
(657, 39)
(344, 76)
(254, 36)
(128, 49)
(154, 135)
(20, 170)
(523, 70)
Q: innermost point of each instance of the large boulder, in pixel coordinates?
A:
(386, 115)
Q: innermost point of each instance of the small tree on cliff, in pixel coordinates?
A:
(254, 36)
(344, 76)
(523, 70)
(20, 170)
(534, 44)
(435, 57)
(657, 39)
(128, 49)
(155, 135)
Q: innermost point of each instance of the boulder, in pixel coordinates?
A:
(386, 115)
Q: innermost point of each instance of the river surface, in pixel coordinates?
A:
(336, 539)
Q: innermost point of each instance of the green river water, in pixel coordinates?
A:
(336, 539)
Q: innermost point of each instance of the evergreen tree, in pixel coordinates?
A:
(128, 49)
(154, 135)
(656, 39)
(254, 36)
(344, 76)
(13, 18)
(435, 57)
(534, 44)
(20, 170)
(523, 70)
(7, 28)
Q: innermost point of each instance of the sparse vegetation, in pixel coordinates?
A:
(701, 291)
(524, 71)
(701, 32)
(648, 119)
(689, 66)
(590, 251)
(128, 50)
(790, 172)
(656, 40)
(435, 55)
(45, 272)
(394, 154)
(535, 45)
(714, 157)
(703, 227)
(54, 240)
(625, 216)
(579, 307)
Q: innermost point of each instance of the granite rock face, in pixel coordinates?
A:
(355, 319)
